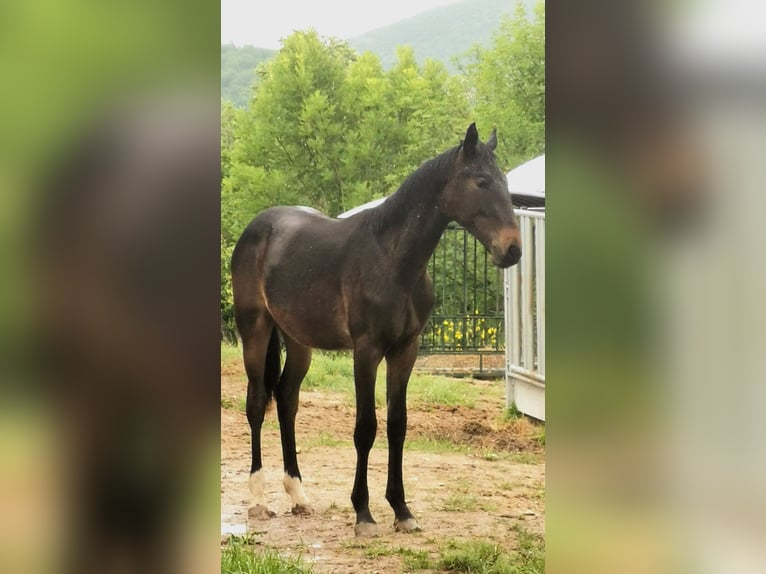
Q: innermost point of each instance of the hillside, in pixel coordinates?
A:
(441, 33)
(238, 71)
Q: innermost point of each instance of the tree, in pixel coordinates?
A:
(507, 85)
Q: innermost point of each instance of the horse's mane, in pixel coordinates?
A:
(418, 188)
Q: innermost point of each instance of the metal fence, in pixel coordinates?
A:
(468, 314)
(524, 288)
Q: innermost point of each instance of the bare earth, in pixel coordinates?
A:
(483, 493)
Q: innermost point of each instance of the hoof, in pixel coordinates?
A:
(302, 510)
(260, 512)
(366, 529)
(407, 525)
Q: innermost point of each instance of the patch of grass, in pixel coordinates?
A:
(485, 557)
(476, 557)
(434, 445)
(524, 457)
(463, 498)
(430, 390)
(334, 371)
(415, 559)
(460, 502)
(376, 550)
(230, 403)
(331, 371)
(530, 551)
(268, 423)
(230, 354)
(323, 438)
(239, 556)
(412, 560)
(512, 413)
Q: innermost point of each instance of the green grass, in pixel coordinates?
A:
(412, 560)
(524, 457)
(333, 371)
(230, 354)
(430, 390)
(462, 498)
(460, 502)
(435, 445)
(472, 556)
(239, 556)
(485, 557)
(512, 413)
(238, 404)
(531, 551)
(324, 438)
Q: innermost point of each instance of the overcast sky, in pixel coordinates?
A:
(262, 24)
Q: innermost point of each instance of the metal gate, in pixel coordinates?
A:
(468, 314)
(525, 319)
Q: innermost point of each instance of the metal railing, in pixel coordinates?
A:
(468, 314)
(524, 295)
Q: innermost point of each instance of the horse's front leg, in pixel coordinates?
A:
(399, 365)
(366, 361)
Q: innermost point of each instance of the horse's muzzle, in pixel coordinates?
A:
(506, 250)
(507, 259)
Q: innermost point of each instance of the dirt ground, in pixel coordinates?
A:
(485, 492)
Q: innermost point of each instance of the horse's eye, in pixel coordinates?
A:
(482, 182)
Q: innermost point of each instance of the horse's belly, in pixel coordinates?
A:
(317, 326)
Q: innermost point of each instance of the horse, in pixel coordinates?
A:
(359, 283)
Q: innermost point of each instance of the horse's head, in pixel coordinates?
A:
(477, 197)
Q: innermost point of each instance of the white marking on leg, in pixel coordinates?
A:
(257, 484)
(294, 487)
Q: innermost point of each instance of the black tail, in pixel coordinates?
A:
(273, 366)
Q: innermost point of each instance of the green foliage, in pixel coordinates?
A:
(484, 557)
(433, 390)
(238, 556)
(508, 85)
(434, 445)
(330, 129)
(238, 71)
(512, 413)
(227, 301)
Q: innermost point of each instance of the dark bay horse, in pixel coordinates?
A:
(358, 283)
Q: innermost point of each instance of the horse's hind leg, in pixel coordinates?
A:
(258, 342)
(297, 364)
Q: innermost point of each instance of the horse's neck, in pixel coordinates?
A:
(411, 238)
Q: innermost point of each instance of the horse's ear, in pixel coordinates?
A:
(470, 141)
(492, 141)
